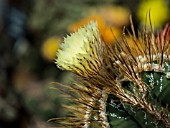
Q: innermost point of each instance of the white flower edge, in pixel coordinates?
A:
(78, 45)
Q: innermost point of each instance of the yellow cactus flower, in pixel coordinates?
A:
(79, 52)
(159, 12)
(50, 47)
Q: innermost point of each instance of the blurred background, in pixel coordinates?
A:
(30, 34)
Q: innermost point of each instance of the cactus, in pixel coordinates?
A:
(120, 86)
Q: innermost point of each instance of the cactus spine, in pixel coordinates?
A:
(125, 85)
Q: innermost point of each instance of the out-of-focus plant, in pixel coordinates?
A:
(114, 15)
(117, 86)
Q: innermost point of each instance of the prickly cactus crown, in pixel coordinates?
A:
(120, 86)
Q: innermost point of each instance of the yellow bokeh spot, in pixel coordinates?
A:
(50, 47)
(159, 12)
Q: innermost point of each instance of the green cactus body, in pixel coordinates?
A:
(120, 86)
(122, 115)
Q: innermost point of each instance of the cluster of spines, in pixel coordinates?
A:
(118, 64)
